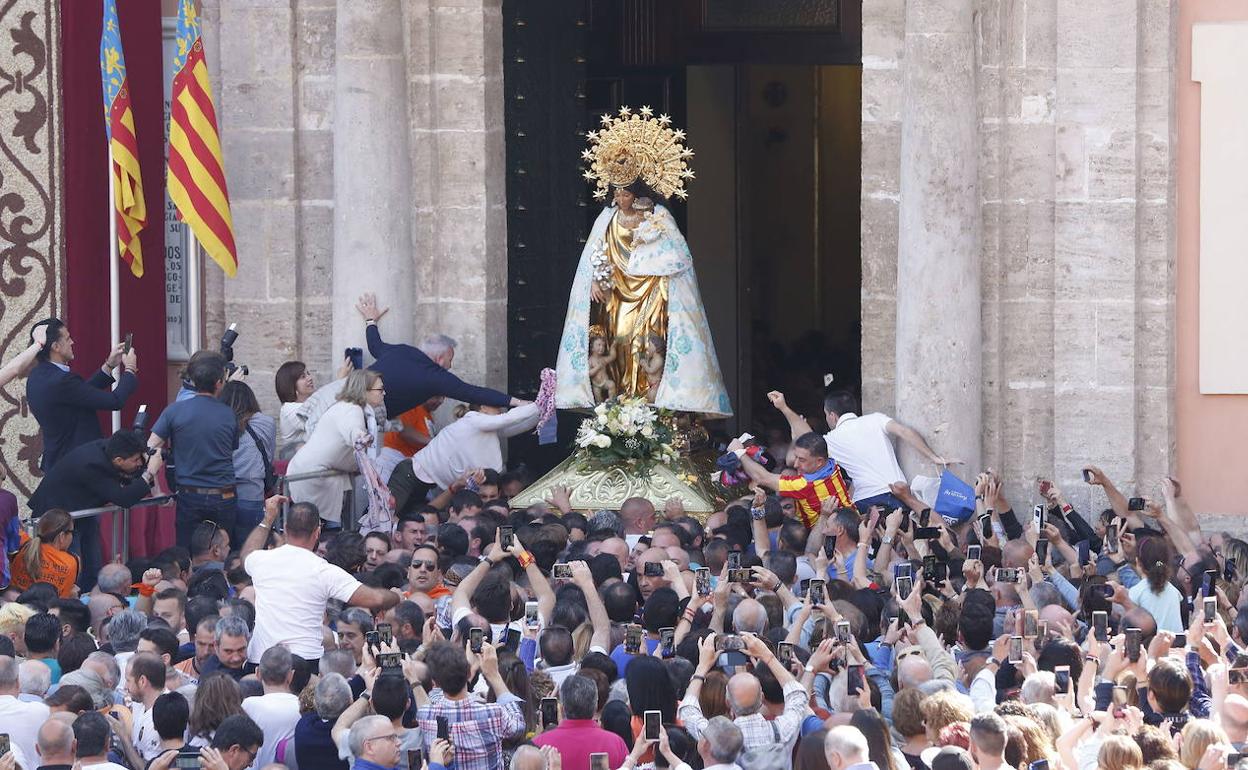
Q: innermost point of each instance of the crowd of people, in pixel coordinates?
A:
(829, 617)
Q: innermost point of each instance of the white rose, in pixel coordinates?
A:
(647, 431)
(602, 442)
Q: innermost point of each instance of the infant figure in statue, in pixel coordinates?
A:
(655, 353)
(601, 356)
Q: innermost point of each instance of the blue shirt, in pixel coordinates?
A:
(204, 435)
(622, 659)
(55, 666)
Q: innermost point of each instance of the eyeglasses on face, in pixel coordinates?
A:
(378, 390)
(429, 565)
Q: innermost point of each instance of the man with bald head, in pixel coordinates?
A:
(912, 670)
(846, 748)
(648, 583)
(745, 698)
(55, 745)
(1234, 719)
(616, 547)
(638, 515)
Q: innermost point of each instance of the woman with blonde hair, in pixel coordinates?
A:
(1119, 752)
(45, 558)
(1036, 743)
(1196, 738)
(331, 447)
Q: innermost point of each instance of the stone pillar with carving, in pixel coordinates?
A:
(938, 255)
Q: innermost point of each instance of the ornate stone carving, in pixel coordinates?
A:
(31, 241)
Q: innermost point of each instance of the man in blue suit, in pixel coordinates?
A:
(65, 406)
(63, 403)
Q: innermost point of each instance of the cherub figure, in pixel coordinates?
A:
(601, 356)
(652, 364)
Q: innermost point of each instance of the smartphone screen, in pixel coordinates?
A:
(667, 642)
(129, 342)
(704, 581)
(476, 637)
(415, 759)
(815, 592)
(842, 631)
(985, 526)
(785, 653)
(444, 729)
(1085, 551)
(1037, 515)
(653, 721)
(1211, 608)
(1016, 649)
(734, 560)
(853, 685)
(530, 615)
(506, 537)
(1133, 644)
(599, 761)
(1061, 676)
(550, 712)
(905, 584)
(1111, 538)
(372, 639)
(385, 633)
(1042, 550)
(632, 639)
(1030, 623)
(973, 552)
(1100, 625)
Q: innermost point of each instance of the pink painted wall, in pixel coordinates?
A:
(1212, 430)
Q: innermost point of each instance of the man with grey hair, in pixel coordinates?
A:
(337, 662)
(113, 579)
(529, 758)
(846, 749)
(577, 734)
(608, 521)
(35, 678)
(352, 626)
(277, 711)
(1039, 687)
(745, 698)
(373, 743)
(20, 720)
(413, 375)
(313, 739)
(232, 635)
(721, 744)
(749, 616)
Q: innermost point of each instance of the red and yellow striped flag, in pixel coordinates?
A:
(129, 208)
(196, 175)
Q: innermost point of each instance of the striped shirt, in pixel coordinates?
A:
(811, 492)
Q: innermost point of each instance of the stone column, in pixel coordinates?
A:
(938, 259)
(372, 171)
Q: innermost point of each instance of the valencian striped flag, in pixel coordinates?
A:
(196, 175)
(130, 211)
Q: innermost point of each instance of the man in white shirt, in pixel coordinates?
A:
(145, 681)
(277, 710)
(862, 446)
(19, 719)
(293, 584)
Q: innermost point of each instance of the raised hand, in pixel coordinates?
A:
(367, 307)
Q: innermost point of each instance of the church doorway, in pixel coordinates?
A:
(769, 93)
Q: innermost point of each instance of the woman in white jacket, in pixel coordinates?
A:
(332, 445)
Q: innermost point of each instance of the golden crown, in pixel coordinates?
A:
(637, 145)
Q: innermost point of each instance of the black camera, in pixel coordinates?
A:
(227, 349)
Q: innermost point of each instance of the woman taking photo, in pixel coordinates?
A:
(331, 447)
(45, 558)
(253, 459)
(295, 385)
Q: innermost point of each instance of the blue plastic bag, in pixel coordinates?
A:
(956, 499)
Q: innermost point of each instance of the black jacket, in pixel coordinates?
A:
(65, 406)
(86, 478)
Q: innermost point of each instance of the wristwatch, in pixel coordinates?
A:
(758, 514)
(992, 662)
(810, 669)
(886, 540)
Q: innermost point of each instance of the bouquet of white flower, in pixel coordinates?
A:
(627, 430)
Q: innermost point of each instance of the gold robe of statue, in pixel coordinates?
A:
(636, 307)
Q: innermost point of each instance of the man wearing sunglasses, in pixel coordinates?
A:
(424, 576)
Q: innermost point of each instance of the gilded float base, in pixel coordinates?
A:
(596, 488)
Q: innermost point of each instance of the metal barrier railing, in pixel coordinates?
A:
(121, 524)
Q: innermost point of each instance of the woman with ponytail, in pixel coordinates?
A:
(1154, 559)
(45, 558)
